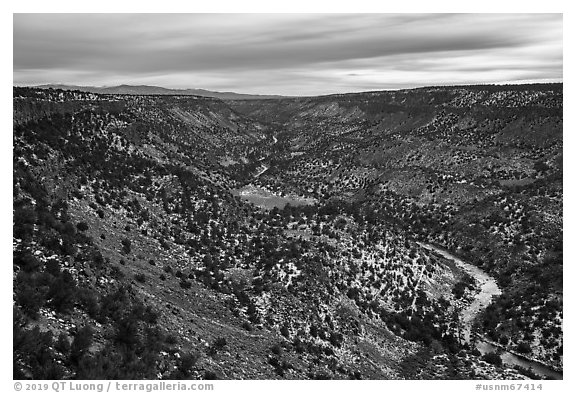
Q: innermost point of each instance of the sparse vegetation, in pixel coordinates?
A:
(333, 285)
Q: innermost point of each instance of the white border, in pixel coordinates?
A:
(243, 6)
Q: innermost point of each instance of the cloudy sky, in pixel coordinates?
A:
(290, 54)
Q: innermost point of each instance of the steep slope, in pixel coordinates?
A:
(477, 170)
(124, 221)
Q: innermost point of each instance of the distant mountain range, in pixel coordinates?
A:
(156, 90)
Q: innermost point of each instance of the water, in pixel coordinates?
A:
(512, 360)
(488, 289)
(265, 199)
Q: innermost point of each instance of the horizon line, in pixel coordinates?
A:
(505, 83)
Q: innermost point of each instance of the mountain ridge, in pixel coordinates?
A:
(158, 90)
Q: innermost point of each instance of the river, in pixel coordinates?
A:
(488, 289)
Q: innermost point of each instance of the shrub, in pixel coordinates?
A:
(26, 261)
(171, 339)
(98, 259)
(209, 375)
(140, 277)
(33, 349)
(126, 246)
(53, 267)
(355, 375)
(116, 273)
(492, 358)
(299, 345)
(89, 301)
(188, 361)
(63, 345)
(504, 340)
(220, 343)
(68, 229)
(276, 349)
(279, 367)
(336, 339)
(68, 246)
(81, 343)
(30, 297)
(217, 345)
(540, 166)
(127, 332)
(63, 293)
(458, 290)
(524, 347)
(150, 315)
(82, 226)
(164, 244)
(24, 220)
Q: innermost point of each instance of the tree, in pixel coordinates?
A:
(126, 246)
(81, 343)
(53, 267)
(492, 358)
(63, 345)
(524, 347)
(29, 295)
(62, 293)
(218, 344)
(186, 365)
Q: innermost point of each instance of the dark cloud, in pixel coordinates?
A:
(286, 53)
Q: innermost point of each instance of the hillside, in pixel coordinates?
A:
(135, 255)
(477, 170)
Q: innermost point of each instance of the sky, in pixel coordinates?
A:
(288, 54)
